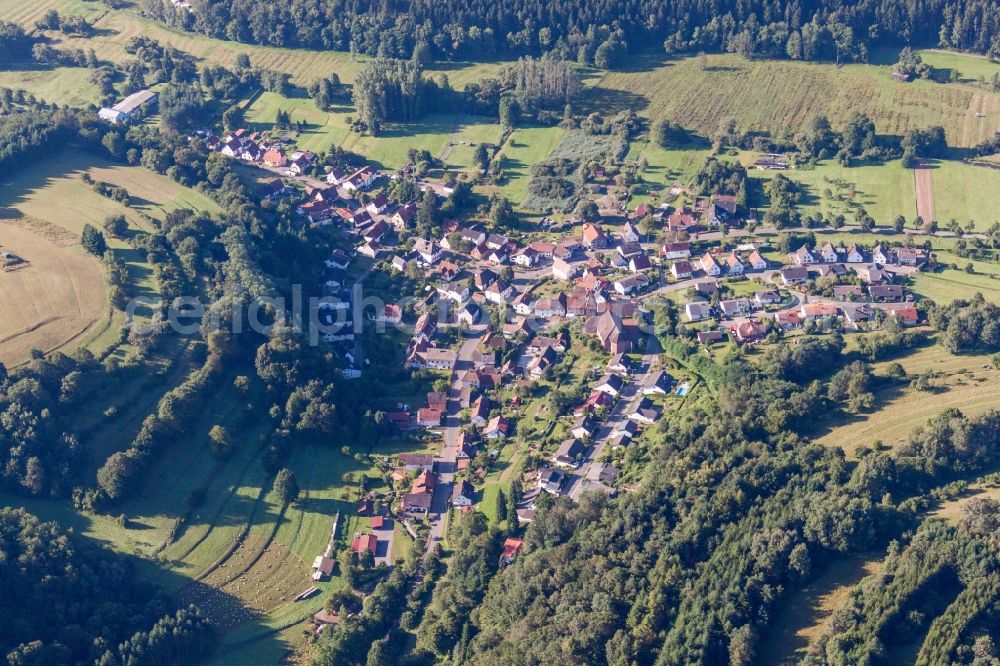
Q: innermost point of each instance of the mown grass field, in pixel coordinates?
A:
(970, 66)
(965, 193)
(961, 191)
(325, 129)
(949, 284)
(884, 190)
(782, 96)
(56, 85)
(968, 383)
(58, 302)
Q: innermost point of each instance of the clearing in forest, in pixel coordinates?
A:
(799, 620)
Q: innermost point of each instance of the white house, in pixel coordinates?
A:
(710, 265)
(829, 254)
(454, 292)
(610, 384)
(563, 270)
(427, 250)
(697, 310)
(681, 270)
(680, 250)
(757, 261)
(803, 257)
(630, 234)
(881, 255)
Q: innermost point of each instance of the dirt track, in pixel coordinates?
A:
(925, 193)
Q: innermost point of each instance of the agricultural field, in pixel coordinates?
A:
(967, 383)
(450, 137)
(782, 96)
(665, 166)
(55, 298)
(57, 85)
(948, 284)
(884, 190)
(236, 552)
(960, 191)
(58, 299)
(972, 68)
(965, 193)
(525, 146)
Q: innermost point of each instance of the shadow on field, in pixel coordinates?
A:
(223, 610)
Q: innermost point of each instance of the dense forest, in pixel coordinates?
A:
(65, 602)
(599, 33)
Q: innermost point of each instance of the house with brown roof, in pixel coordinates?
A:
(610, 332)
(593, 236)
(462, 494)
(403, 216)
(794, 275)
(497, 428)
(480, 411)
(682, 219)
(681, 270)
(748, 331)
(274, 157)
(364, 543)
(569, 453)
(817, 311)
(511, 549)
(787, 319)
(757, 261)
(710, 265)
(678, 250)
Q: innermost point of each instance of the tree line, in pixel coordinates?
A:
(68, 602)
(597, 33)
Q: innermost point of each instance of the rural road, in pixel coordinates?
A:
(446, 461)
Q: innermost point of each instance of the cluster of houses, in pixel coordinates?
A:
(422, 353)
(609, 389)
(748, 316)
(857, 254)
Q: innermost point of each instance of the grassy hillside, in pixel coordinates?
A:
(49, 201)
(966, 384)
(781, 96)
(116, 27)
(884, 190)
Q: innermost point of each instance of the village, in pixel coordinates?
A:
(496, 313)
